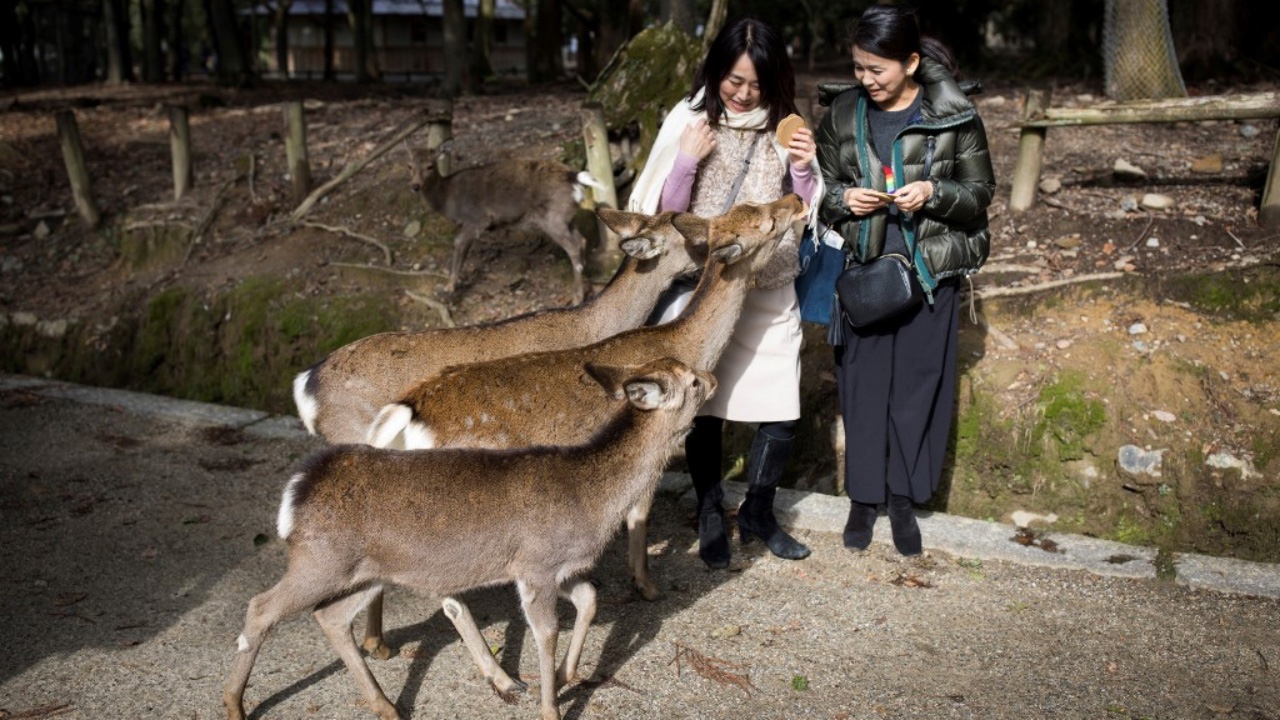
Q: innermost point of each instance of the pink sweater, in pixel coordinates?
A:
(678, 188)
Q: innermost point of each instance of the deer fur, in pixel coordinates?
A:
(521, 194)
(544, 398)
(338, 397)
(446, 521)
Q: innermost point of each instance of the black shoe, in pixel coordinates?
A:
(756, 519)
(713, 541)
(859, 526)
(906, 531)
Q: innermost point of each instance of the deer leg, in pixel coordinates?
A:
(373, 643)
(458, 613)
(335, 619)
(583, 597)
(539, 605)
(461, 245)
(638, 548)
(288, 597)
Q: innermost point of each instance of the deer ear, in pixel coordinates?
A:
(609, 377)
(646, 393)
(691, 226)
(626, 224)
(642, 248)
(727, 254)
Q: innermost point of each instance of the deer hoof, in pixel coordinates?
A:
(648, 590)
(378, 650)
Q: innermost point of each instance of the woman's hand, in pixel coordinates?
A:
(697, 140)
(862, 201)
(912, 196)
(802, 149)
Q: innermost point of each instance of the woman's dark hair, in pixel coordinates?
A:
(766, 50)
(892, 31)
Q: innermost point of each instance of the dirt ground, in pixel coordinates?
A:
(131, 553)
(1148, 342)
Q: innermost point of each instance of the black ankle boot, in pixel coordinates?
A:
(906, 531)
(768, 458)
(702, 449)
(857, 529)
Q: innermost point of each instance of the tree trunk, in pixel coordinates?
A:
(480, 65)
(77, 173)
(618, 21)
(455, 48)
(184, 177)
(546, 64)
(330, 18)
(715, 21)
(116, 23)
(681, 13)
(282, 37)
(1138, 47)
(177, 60)
(152, 54)
(9, 41)
(295, 147)
(233, 60)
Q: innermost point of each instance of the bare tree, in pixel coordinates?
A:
(480, 65)
(282, 36)
(1138, 51)
(115, 20)
(153, 12)
(177, 45)
(545, 63)
(681, 13)
(455, 47)
(330, 17)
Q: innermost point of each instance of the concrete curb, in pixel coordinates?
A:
(952, 534)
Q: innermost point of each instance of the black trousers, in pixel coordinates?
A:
(897, 386)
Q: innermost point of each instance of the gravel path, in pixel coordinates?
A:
(128, 543)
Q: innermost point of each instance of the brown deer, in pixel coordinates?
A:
(446, 521)
(338, 397)
(521, 194)
(543, 398)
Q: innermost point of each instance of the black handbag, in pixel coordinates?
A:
(878, 290)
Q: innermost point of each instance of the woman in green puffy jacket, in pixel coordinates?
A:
(909, 131)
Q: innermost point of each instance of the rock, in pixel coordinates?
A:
(1249, 131)
(1140, 346)
(1163, 416)
(1137, 329)
(1049, 186)
(1129, 204)
(1135, 461)
(1208, 165)
(1227, 461)
(1153, 242)
(1128, 171)
(1067, 242)
(1156, 201)
(1063, 344)
(726, 631)
(412, 229)
(24, 319)
(52, 329)
(1028, 519)
(42, 231)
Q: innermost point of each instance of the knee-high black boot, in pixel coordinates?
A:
(906, 531)
(769, 456)
(702, 449)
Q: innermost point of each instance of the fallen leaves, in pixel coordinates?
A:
(1030, 538)
(721, 671)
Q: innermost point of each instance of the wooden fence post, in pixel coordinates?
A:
(1026, 171)
(1269, 210)
(73, 156)
(607, 254)
(295, 150)
(180, 149)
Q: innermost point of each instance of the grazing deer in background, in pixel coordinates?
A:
(446, 521)
(544, 398)
(522, 194)
(338, 397)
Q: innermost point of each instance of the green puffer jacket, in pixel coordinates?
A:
(949, 233)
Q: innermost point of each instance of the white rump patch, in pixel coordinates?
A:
(284, 522)
(305, 402)
(242, 643)
(391, 421)
(417, 436)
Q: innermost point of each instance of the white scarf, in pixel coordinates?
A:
(646, 195)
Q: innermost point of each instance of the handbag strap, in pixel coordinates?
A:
(742, 175)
